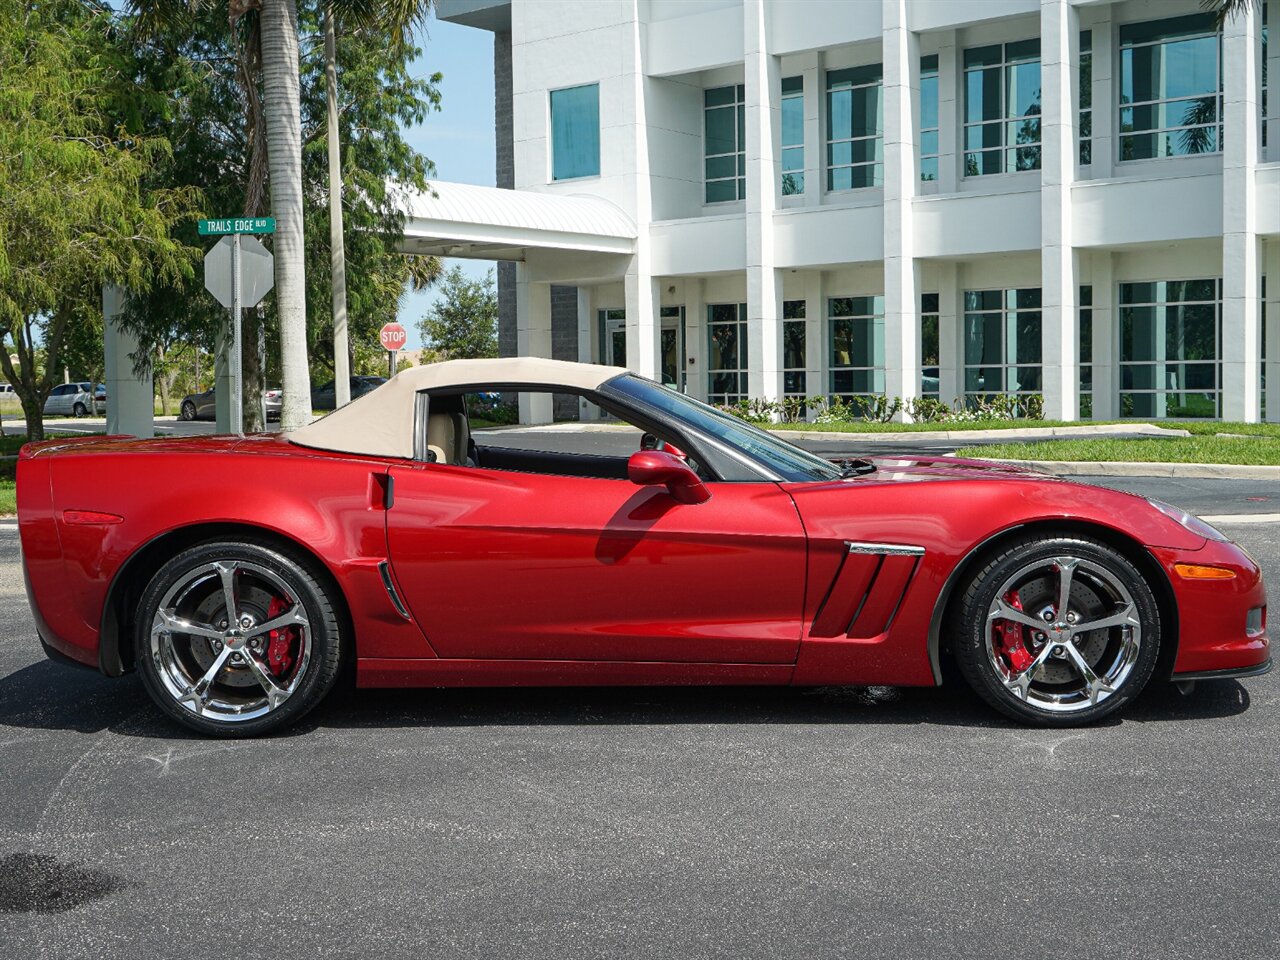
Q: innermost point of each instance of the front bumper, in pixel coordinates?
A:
(1231, 673)
(1214, 630)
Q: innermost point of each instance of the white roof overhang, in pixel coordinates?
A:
(464, 220)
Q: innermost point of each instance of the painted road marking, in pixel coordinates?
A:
(1243, 518)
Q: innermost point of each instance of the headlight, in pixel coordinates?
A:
(1190, 521)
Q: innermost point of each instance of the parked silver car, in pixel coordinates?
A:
(204, 406)
(76, 400)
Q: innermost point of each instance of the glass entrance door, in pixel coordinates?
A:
(613, 337)
(673, 373)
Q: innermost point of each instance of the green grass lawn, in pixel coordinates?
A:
(8, 497)
(1194, 449)
(921, 427)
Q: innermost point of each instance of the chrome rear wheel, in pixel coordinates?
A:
(237, 638)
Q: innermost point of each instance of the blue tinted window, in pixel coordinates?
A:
(575, 132)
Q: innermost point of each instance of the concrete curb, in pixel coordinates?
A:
(1025, 433)
(1190, 471)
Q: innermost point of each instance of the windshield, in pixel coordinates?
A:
(780, 457)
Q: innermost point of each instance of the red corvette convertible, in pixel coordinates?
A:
(240, 575)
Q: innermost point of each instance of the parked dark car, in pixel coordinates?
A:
(322, 398)
(203, 406)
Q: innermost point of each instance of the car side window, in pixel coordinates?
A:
(554, 432)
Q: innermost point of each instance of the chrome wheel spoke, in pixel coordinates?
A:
(1066, 571)
(170, 622)
(196, 693)
(1125, 617)
(1020, 683)
(227, 574)
(1095, 684)
(276, 694)
(295, 616)
(1003, 611)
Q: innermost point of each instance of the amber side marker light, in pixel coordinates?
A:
(90, 517)
(1196, 571)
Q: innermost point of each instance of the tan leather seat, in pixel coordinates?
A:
(448, 437)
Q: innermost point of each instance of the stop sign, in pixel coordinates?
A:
(394, 337)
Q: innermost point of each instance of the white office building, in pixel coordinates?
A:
(770, 198)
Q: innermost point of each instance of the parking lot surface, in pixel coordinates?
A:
(678, 823)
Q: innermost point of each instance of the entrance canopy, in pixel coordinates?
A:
(486, 223)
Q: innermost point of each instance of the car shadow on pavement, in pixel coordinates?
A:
(50, 696)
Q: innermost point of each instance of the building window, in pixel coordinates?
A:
(1086, 353)
(1170, 345)
(727, 345)
(1086, 97)
(929, 363)
(792, 136)
(855, 128)
(575, 132)
(613, 336)
(1170, 88)
(794, 341)
(929, 118)
(1002, 108)
(1002, 346)
(726, 135)
(856, 328)
(672, 320)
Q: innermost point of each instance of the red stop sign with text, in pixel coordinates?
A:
(394, 337)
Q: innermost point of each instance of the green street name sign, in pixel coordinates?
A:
(238, 225)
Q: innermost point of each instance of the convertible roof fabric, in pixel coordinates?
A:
(380, 423)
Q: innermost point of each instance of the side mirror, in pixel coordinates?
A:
(649, 468)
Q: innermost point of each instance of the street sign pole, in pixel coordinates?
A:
(391, 363)
(237, 373)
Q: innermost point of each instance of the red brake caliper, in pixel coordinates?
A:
(279, 642)
(1010, 637)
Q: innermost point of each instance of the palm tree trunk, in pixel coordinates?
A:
(281, 103)
(337, 254)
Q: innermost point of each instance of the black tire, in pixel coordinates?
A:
(315, 673)
(188, 411)
(79, 410)
(982, 652)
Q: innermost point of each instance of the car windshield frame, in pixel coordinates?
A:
(774, 456)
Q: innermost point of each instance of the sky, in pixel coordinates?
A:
(460, 138)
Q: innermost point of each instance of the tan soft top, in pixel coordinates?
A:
(380, 423)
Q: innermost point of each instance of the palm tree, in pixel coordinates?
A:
(1230, 9)
(397, 18)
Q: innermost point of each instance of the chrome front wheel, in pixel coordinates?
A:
(239, 638)
(1058, 631)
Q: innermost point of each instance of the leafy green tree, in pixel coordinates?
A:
(76, 211)
(464, 321)
(210, 85)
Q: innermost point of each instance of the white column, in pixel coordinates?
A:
(1106, 370)
(130, 403)
(1059, 55)
(950, 332)
(950, 105)
(1273, 328)
(764, 286)
(1241, 334)
(1104, 96)
(642, 298)
(695, 338)
(901, 183)
(533, 338)
(223, 381)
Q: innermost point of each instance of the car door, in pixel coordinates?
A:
(57, 400)
(503, 564)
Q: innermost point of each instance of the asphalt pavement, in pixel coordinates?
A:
(681, 823)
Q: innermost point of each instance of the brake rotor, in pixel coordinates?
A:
(1041, 595)
(254, 602)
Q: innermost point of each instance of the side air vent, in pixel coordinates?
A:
(867, 589)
